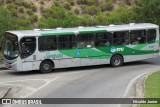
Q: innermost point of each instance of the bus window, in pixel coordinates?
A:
(47, 43)
(11, 49)
(121, 38)
(138, 37)
(151, 35)
(103, 39)
(85, 40)
(66, 42)
(28, 46)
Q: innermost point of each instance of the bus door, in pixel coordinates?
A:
(28, 52)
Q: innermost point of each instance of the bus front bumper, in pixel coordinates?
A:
(11, 66)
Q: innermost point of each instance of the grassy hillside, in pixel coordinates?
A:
(29, 14)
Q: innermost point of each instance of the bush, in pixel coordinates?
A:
(34, 18)
(34, 8)
(11, 7)
(29, 12)
(57, 3)
(71, 2)
(42, 2)
(76, 11)
(128, 2)
(107, 6)
(26, 5)
(102, 19)
(87, 20)
(42, 9)
(42, 23)
(92, 2)
(93, 10)
(55, 12)
(84, 9)
(21, 10)
(67, 6)
(9, 1)
(25, 23)
(14, 12)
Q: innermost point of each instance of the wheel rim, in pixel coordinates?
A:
(117, 61)
(46, 67)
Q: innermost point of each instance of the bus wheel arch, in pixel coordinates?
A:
(46, 66)
(117, 60)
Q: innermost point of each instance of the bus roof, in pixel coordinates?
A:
(109, 28)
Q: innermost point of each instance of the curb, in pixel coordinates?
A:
(136, 89)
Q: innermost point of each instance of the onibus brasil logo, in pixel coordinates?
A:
(117, 49)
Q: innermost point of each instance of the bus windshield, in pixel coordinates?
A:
(11, 46)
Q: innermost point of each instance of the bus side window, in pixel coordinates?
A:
(138, 37)
(47, 43)
(85, 40)
(121, 38)
(66, 42)
(28, 46)
(151, 35)
(103, 39)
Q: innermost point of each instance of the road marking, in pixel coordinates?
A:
(20, 85)
(33, 90)
(41, 87)
(46, 80)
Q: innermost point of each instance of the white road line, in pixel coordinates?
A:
(41, 87)
(46, 80)
(20, 85)
(33, 90)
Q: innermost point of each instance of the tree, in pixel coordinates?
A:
(7, 22)
(148, 11)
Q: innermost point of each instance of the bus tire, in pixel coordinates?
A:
(46, 66)
(116, 61)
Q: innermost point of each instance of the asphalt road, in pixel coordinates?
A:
(82, 82)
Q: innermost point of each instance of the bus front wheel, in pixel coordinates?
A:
(46, 67)
(116, 60)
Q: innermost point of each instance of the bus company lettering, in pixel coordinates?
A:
(117, 49)
(49, 55)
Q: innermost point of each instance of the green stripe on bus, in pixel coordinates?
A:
(58, 33)
(103, 53)
(140, 46)
(95, 31)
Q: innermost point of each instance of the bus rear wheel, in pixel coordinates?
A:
(46, 67)
(116, 61)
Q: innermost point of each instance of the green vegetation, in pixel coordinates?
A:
(152, 88)
(22, 14)
(1, 56)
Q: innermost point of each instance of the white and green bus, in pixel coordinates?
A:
(49, 49)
